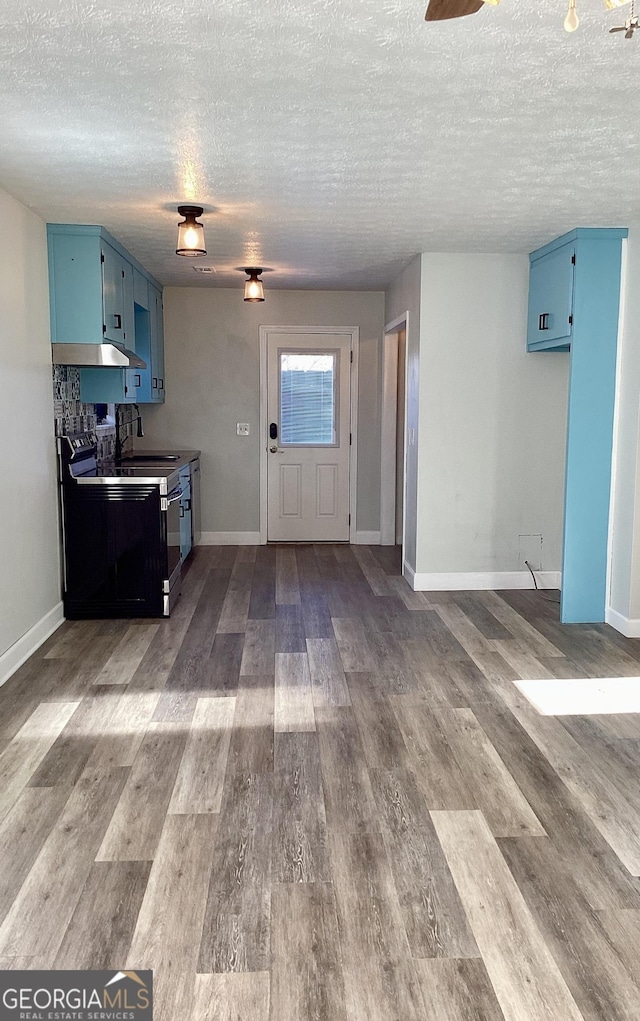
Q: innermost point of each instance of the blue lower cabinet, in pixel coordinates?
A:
(185, 514)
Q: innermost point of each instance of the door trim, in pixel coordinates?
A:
(388, 432)
(327, 331)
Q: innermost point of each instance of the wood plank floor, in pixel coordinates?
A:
(314, 795)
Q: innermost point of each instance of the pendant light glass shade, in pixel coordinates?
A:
(572, 20)
(190, 232)
(253, 289)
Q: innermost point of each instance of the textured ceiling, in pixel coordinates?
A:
(329, 140)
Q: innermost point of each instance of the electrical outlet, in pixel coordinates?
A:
(242, 428)
(530, 549)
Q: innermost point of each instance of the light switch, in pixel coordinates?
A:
(242, 428)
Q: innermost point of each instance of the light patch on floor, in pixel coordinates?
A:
(583, 696)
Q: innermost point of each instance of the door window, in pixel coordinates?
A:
(308, 398)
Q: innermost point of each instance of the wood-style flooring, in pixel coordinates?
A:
(315, 795)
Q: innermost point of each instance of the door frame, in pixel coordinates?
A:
(388, 423)
(327, 331)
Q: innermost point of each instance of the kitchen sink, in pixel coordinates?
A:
(149, 458)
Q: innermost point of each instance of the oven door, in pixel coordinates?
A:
(171, 584)
(115, 550)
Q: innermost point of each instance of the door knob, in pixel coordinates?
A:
(274, 450)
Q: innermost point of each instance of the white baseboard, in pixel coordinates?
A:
(461, 582)
(19, 652)
(253, 539)
(409, 573)
(629, 627)
(230, 539)
(366, 539)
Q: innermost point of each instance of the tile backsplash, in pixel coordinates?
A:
(126, 420)
(72, 416)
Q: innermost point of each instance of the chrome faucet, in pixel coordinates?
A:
(119, 425)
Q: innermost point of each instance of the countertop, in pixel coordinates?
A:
(148, 456)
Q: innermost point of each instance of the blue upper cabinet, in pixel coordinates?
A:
(157, 343)
(147, 309)
(114, 269)
(575, 281)
(98, 293)
(550, 318)
(75, 286)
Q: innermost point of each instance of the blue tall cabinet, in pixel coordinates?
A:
(574, 302)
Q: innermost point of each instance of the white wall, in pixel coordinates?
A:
(30, 578)
(492, 420)
(213, 381)
(402, 296)
(625, 553)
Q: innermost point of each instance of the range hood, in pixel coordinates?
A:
(107, 356)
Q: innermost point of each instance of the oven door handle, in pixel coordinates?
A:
(173, 497)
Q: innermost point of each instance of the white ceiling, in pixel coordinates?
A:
(329, 140)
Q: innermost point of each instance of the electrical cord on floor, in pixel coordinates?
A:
(548, 599)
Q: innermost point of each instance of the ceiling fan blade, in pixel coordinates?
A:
(442, 10)
(621, 28)
(629, 33)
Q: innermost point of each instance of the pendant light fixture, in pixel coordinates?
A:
(253, 289)
(190, 232)
(443, 10)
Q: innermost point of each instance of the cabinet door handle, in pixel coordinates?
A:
(181, 511)
(543, 321)
(155, 382)
(137, 379)
(118, 319)
(161, 383)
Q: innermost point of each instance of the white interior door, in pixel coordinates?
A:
(308, 423)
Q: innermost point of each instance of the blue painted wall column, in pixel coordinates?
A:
(574, 304)
(592, 383)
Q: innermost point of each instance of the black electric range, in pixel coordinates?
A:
(121, 534)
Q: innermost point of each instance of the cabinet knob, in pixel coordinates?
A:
(543, 321)
(118, 319)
